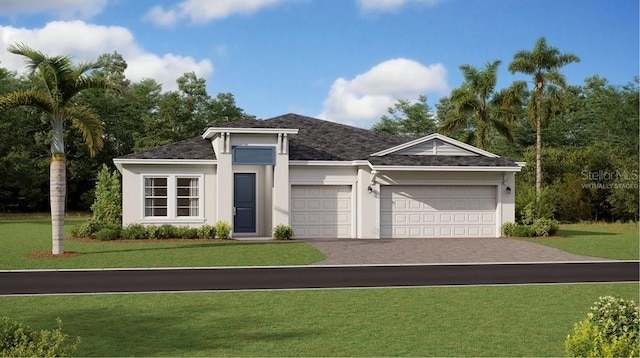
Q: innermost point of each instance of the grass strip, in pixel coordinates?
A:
(437, 321)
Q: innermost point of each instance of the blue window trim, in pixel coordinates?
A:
(252, 160)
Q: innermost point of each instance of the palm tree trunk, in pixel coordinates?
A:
(57, 194)
(538, 159)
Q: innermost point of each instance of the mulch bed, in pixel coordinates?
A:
(49, 255)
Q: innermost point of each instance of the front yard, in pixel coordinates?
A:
(436, 321)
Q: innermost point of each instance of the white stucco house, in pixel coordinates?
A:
(325, 179)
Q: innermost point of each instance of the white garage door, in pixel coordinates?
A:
(321, 211)
(438, 211)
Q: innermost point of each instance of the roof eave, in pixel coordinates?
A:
(213, 131)
(120, 162)
(444, 168)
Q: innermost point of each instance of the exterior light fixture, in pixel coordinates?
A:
(508, 190)
(369, 189)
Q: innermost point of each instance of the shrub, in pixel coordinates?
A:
(207, 232)
(153, 232)
(17, 340)
(167, 231)
(610, 330)
(282, 232)
(134, 232)
(223, 229)
(108, 232)
(521, 230)
(107, 207)
(508, 229)
(185, 232)
(544, 227)
(87, 229)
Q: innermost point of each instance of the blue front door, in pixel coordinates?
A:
(244, 202)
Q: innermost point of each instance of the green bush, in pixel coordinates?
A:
(282, 232)
(223, 230)
(167, 231)
(153, 232)
(207, 232)
(134, 232)
(17, 340)
(108, 232)
(107, 207)
(610, 330)
(185, 232)
(544, 227)
(87, 229)
(508, 229)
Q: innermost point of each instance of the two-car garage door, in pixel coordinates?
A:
(438, 211)
(326, 211)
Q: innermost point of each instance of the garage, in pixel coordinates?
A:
(321, 211)
(438, 211)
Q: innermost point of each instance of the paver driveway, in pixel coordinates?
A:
(423, 251)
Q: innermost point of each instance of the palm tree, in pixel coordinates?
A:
(479, 109)
(543, 63)
(60, 81)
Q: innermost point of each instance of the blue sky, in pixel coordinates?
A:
(342, 60)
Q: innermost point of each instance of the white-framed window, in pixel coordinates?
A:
(172, 197)
(156, 196)
(187, 196)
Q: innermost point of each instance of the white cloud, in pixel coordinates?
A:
(201, 11)
(64, 9)
(362, 100)
(391, 5)
(90, 41)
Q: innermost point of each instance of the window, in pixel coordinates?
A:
(155, 196)
(254, 155)
(173, 197)
(187, 197)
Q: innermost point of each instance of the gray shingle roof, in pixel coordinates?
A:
(193, 148)
(322, 140)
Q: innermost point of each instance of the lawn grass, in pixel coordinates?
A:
(437, 321)
(606, 240)
(23, 235)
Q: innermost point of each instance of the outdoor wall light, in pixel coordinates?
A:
(369, 189)
(508, 190)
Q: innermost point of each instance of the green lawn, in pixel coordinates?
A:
(27, 234)
(611, 241)
(438, 321)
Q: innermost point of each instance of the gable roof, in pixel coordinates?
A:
(320, 140)
(435, 137)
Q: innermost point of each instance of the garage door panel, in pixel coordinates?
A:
(438, 211)
(321, 211)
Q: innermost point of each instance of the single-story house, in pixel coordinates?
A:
(326, 180)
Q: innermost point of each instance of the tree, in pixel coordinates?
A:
(478, 109)
(543, 63)
(407, 119)
(60, 81)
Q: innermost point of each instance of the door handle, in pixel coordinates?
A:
(234, 211)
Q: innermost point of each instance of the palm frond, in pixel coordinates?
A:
(31, 98)
(87, 121)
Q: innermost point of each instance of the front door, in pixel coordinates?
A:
(244, 202)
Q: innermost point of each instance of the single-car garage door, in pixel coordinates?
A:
(321, 211)
(438, 211)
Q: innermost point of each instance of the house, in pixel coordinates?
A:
(325, 179)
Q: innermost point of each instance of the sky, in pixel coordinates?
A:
(346, 61)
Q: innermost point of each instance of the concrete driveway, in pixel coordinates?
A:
(423, 251)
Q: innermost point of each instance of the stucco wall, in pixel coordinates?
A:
(133, 193)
